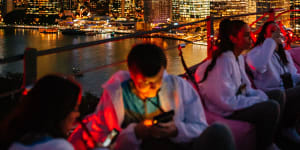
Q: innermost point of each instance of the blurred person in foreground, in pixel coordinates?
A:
(44, 117)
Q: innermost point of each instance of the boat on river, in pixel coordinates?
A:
(48, 30)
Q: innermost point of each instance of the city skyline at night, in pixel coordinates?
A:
(151, 11)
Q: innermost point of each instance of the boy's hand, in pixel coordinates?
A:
(142, 131)
(164, 130)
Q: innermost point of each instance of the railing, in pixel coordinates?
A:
(30, 55)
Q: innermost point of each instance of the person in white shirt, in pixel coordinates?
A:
(273, 68)
(146, 90)
(44, 116)
(226, 89)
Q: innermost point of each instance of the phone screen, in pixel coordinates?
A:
(110, 138)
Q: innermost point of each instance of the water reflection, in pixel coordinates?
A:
(15, 41)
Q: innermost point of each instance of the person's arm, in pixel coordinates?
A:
(258, 57)
(221, 88)
(106, 120)
(193, 122)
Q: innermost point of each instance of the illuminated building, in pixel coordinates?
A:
(20, 4)
(295, 23)
(2, 6)
(68, 4)
(99, 7)
(221, 8)
(263, 5)
(43, 7)
(189, 10)
(122, 8)
(157, 11)
(6, 6)
(43, 12)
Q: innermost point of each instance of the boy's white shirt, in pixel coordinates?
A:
(175, 93)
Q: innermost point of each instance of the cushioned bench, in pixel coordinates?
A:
(295, 53)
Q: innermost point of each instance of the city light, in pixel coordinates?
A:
(144, 12)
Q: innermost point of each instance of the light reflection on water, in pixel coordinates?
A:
(14, 41)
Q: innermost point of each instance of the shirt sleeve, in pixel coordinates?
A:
(106, 120)
(260, 56)
(193, 122)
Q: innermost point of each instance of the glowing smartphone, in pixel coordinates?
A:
(110, 138)
(164, 117)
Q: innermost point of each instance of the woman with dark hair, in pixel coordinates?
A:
(273, 68)
(44, 116)
(226, 89)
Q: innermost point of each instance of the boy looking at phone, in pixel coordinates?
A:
(131, 100)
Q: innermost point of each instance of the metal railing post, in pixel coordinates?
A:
(209, 35)
(271, 15)
(30, 67)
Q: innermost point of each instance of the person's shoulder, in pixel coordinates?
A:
(116, 79)
(226, 59)
(53, 144)
(228, 55)
(58, 144)
(175, 79)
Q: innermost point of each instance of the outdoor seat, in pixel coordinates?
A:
(243, 132)
(295, 53)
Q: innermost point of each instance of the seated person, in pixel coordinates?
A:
(273, 69)
(131, 99)
(44, 116)
(226, 89)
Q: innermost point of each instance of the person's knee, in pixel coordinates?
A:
(281, 97)
(220, 129)
(217, 136)
(271, 110)
(277, 95)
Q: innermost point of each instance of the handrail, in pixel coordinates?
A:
(11, 59)
(137, 34)
(81, 45)
(11, 93)
(112, 64)
(286, 12)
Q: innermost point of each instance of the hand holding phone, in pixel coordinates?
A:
(164, 130)
(164, 117)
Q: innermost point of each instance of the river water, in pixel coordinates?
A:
(14, 41)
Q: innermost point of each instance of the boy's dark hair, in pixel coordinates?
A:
(146, 59)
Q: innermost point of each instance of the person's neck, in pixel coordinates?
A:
(134, 91)
(236, 52)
